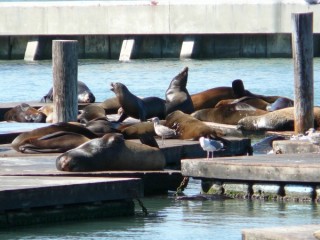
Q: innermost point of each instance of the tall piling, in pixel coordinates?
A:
(302, 50)
(65, 80)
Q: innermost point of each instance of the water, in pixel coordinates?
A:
(169, 218)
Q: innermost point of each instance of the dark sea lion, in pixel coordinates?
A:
(177, 95)
(84, 94)
(264, 146)
(227, 114)
(56, 142)
(252, 101)
(279, 120)
(25, 113)
(40, 132)
(110, 105)
(136, 107)
(188, 127)
(111, 152)
(280, 103)
(90, 112)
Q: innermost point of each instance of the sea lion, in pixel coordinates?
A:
(252, 101)
(280, 103)
(177, 95)
(209, 98)
(48, 111)
(111, 152)
(135, 130)
(90, 112)
(264, 146)
(84, 94)
(188, 127)
(227, 114)
(136, 107)
(101, 126)
(279, 120)
(24, 113)
(40, 132)
(56, 142)
(110, 105)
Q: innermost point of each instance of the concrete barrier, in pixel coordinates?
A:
(225, 28)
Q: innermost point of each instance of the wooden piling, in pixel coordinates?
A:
(65, 80)
(302, 50)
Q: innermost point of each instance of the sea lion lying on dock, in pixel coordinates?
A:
(209, 98)
(188, 127)
(90, 112)
(111, 152)
(84, 94)
(177, 95)
(252, 101)
(279, 120)
(24, 113)
(227, 114)
(38, 138)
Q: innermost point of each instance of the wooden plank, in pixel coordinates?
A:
(18, 192)
(281, 168)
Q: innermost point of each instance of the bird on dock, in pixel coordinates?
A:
(161, 130)
(210, 145)
(313, 136)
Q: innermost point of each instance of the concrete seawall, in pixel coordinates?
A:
(229, 28)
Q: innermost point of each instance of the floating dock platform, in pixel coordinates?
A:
(260, 176)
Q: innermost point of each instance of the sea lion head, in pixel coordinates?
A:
(180, 81)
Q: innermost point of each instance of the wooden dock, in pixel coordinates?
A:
(279, 170)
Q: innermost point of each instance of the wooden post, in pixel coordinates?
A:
(302, 50)
(65, 80)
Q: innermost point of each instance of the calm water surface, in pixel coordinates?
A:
(168, 218)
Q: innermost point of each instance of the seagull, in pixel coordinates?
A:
(313, 136)
(210, 145)
(161, 130)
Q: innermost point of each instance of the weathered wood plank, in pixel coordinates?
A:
(280, 168)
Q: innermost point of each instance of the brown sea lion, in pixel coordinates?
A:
(56, 142)
(136, 107)
(188, 127)
(252, 101)
(135, 130)
(58, 127)
(177, 95)
(90, 112)
(111, 152)
(48, 111)
(110, 105)
(209, 98)
(227, 114)
(101, 126)
(279, 120)
(25, 113)
(84, 94)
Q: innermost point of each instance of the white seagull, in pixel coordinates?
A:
(161, 130)
(210, 145)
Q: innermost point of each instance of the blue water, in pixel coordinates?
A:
(168, 218)
(21, 81)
